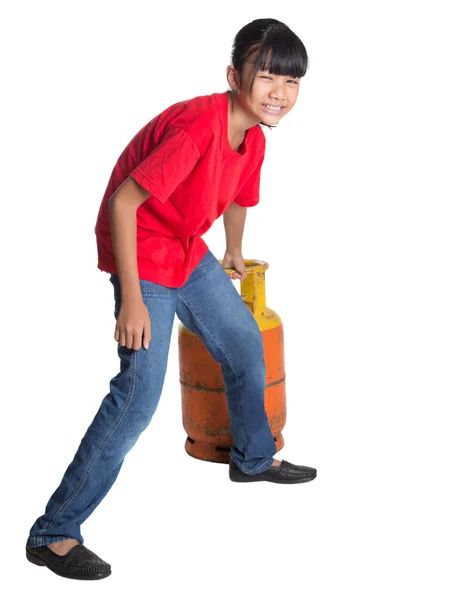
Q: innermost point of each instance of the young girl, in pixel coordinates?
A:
(195, 161)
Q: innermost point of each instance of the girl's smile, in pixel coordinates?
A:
(271, 108)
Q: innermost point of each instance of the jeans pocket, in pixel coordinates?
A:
(208, 262)
(148, 288)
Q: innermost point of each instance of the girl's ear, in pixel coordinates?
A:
(233, 78)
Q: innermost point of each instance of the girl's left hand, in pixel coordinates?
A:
(235, 261)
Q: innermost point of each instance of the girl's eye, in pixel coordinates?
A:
(267, 77)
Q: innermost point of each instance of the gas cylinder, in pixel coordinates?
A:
(203, 400)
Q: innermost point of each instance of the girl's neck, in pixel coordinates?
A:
(238, 120)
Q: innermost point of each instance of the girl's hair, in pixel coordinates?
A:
(278, 49)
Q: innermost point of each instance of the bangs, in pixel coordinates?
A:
(281, 53)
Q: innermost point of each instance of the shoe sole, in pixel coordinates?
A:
(40, 562)
(243, 478)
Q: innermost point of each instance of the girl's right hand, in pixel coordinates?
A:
(133, 323)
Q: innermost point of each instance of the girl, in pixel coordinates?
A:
(195, 161)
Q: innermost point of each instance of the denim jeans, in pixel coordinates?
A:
(209, 305)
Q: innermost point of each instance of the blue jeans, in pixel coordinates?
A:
(209, 305)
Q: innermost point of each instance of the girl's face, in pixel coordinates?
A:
(272, 96)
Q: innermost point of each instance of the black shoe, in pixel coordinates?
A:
(284, 473)
(78, 563)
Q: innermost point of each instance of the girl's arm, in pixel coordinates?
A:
(123, 205)
(234, 221)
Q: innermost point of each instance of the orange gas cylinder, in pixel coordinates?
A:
(203, 399)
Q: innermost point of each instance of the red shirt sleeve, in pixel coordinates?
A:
(249, 193)
(167, 165)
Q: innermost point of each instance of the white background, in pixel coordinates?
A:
(366, 221)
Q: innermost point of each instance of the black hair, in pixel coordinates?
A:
(278, 50)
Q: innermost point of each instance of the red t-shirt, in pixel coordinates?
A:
(183, 157)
